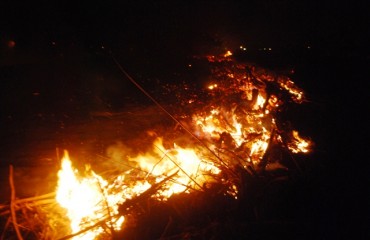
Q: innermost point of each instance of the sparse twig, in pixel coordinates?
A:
(12, 203)
(148, 193)
(102, 222)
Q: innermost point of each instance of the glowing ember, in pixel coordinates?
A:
(212, 86)
(228, 54)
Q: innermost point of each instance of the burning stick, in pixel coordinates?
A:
(145, 195)
(12, 203)
(98, 224)
(123, 207)
(39, 216)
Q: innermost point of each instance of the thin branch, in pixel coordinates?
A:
(177, 165)
(145, 195)
(102, 222)
(169, 223)
(32, 199)
(5, 227)
(107, 206)
(12, 203)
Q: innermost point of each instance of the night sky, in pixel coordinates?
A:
(56, 56)
(160, 27)
(155, 40)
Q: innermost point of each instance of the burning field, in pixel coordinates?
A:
(210, 164)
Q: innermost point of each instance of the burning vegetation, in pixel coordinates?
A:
(228, 134)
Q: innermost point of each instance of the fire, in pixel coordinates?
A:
(191, 171)
(90, 199)
(238, 126)
(86, 200)
(293, 90)
(241, 117)
(299, 144)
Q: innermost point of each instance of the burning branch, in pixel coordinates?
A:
(12, 203)
(32, 215)
(145, 195)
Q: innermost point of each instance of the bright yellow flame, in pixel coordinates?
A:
(299, 144)
(86, 200)
(90, 199)
(239, 128)
(191, 171)
(259, 103)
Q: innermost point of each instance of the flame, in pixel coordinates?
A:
(90, 199)
(192, 171)
(299, 144)
(86, 200)
(293, 90)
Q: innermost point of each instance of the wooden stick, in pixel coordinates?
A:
(102, 222)
(18, 206)
(5, 227)
(5, 212)
(169, 223)
(145, 195)
(107, 207)
(48, 195)
(12, 203)
(177, 165)
(41, 202)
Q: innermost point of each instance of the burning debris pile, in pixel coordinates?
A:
(226, 133)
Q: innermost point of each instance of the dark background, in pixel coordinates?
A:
(55, 64)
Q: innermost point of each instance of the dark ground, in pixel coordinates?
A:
(55, 85)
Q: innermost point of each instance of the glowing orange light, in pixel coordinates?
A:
(228, 54)
(212, 86)
(299, 144)
(86, 200)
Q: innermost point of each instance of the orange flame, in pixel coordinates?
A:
(86, 200)
(228, 53)
(90, 199)
(299, 144)
(192, 171)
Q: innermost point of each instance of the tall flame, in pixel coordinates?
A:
(86, 200)
(90, 199)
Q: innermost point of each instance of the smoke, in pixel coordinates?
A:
(118, 155)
